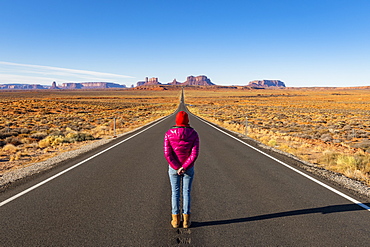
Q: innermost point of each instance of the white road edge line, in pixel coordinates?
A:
(76, 165)
(292, 168)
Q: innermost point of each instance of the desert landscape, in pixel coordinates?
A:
(329, 128)
(37, 125)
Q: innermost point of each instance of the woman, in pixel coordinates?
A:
(181, 149)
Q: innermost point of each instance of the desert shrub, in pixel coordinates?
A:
(33, 145)
(56, 140)
(366, 166)
(44, 143)
(10, 148)
(272, 143)
(56, 133)
(41, 128)
(39, 135)
(13, 140)
(4, 133)
(345, 162)
(329, 158)
(287, 148)
(78, 137)
(27, 140)
(362, 163)
(16, 156)
(51, 140)
(23, 130)
(70, 137)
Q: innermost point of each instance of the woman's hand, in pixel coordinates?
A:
(180, 171)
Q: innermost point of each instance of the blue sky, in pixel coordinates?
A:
(301, 42)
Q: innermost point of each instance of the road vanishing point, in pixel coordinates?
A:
(119, 195)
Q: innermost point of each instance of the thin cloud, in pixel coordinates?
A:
(38, 74)
(22, 79)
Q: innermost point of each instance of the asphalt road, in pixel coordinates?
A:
(121, 197)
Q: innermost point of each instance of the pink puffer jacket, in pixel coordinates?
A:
(181, 147)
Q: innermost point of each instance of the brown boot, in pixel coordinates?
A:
(175, 220)
(186, 218)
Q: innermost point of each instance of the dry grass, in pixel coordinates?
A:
(330, 128)
(306, 123)
(36, 125)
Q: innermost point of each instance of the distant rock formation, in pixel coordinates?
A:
(148, 82)
(140, 83)
(22, 86)
(71, 85)
(175, 82)
(266, 83)
(91, 85)
(201, 80)
(152, 81)
(54, 85)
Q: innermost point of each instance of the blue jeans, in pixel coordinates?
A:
(175, 180)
